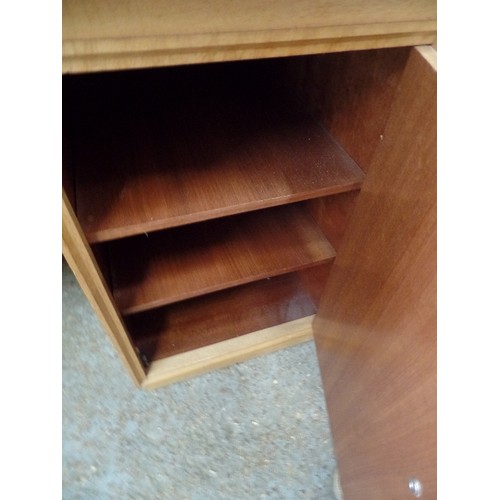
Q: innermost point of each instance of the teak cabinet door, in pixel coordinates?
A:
(375, 330)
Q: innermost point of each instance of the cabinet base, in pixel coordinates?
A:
(228, 352)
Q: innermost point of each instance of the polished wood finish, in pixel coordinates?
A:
(375, 329)
(351, 94)
(163, 148)
(314, 280)
(112, 34)
(331, 213)
(82, 262)
(219, 316)
(168, 266)
(227, 352)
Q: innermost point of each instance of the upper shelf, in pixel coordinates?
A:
(120, 34)
(164, 148)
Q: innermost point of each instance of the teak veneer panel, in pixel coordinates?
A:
(168, 266)
(375, 329)
(112, 34)
(163, 148)
(219, 316)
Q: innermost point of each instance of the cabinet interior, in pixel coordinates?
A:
(214, 196)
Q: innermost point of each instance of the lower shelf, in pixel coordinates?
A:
(220, 316)
(178, 264)
(228, 352)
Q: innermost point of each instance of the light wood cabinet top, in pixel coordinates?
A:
(111, 34)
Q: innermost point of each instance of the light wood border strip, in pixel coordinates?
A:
(429, 53)
(119, 34)
(83, 62)
(228, 352)
(81, 261)
(74, 45)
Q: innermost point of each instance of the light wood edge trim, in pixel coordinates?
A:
(82, 63)
(428, 52)
(74, 45)
(204, 359)
(77, 253)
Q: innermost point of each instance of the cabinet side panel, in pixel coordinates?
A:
(351, 93)
(331, 213)
(376, 326)
(79, 257)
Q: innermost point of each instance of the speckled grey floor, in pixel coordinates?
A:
(255, 430)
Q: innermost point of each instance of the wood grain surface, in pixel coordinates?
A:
(376, 326)
(350, 94)
(112, 34)
(314, 279)
(227, 352)
(158, 149)
(219, 316)
(81, 260)
(168, 266)
(331, 213)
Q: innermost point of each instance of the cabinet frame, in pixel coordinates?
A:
(400, 25)
(81, 260)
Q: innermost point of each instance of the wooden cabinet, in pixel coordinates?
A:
(216, 211)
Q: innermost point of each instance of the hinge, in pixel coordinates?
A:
(142, 357)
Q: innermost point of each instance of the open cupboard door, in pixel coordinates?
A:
(375, 330)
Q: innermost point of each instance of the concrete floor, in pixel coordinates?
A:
(255, 430)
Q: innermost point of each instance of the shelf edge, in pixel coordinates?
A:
(116, 233)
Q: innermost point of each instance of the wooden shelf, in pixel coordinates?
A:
(169, 266)
(216, 317)
(163, 148)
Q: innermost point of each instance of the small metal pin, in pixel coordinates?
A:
(415, 486)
